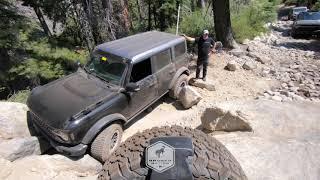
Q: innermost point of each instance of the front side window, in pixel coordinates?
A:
(108, 67)
(141, 70)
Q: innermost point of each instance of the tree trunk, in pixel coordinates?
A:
(108, 9)
(149, 15)
(84, 25)
(192, 5)
(154, 10)
(43, 22)
(222, 23)
(162, 17)
(125, 16)
(139, 10)
(201, 4)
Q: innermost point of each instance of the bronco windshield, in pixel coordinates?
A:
(312, 16)
(108, 67)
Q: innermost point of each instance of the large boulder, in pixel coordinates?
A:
(13, 120)
(51, 167)
(189, 97)
(238, 52)
(209, 85)
(274, 158)
(284, 144)
(249, 65)
(263, 59)
(21, 147)
(219, 119)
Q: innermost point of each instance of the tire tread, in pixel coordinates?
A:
(211, 159)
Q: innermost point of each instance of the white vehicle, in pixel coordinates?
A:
(295, 11)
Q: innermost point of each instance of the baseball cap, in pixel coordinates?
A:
(205, 32)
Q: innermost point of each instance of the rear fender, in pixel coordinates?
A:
(182, 70)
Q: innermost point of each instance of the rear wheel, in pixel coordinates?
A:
(180, 83)
(211, 159)
(106, 142)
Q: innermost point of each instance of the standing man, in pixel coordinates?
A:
(206, 45)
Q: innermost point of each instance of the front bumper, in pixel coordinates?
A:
(77, 150)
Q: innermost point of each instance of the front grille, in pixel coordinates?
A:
(49, 131)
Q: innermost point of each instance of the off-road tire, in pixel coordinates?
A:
(296, 36)
(101, 146)
(211, 159)
(175, 90)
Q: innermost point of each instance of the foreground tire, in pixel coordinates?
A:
(106, 142)
(211, 159)
(180, 83)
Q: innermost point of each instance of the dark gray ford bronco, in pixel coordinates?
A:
(87, 109)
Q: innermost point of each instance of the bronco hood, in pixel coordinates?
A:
(57, 101)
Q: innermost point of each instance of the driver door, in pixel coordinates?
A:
(141, 74)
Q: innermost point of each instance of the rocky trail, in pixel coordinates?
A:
(265, 110)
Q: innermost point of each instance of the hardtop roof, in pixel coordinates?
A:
(142, 45)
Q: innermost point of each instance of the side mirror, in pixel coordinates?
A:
(132, 87)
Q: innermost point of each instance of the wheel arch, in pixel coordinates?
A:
(182, 70)
(101, 125)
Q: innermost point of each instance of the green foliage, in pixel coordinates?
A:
(296, 2)
(250, 21)
(11, 24)
(316, 6)
(20, 96)
(194, 23)
(45, 61)
(28, 57)
(291, 2)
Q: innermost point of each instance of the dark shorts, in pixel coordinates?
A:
(203, 59)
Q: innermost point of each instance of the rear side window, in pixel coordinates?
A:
(161, 59)
(141, 70)
(180, 49)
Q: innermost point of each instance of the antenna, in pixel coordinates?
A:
(177, 28)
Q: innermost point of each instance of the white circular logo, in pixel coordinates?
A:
(160, 156)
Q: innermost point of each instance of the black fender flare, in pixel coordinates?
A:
(178, 74)
(100, 125)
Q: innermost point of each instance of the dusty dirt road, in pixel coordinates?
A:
(281, 93)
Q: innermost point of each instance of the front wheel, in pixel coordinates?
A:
(106, 142)
(180, 83)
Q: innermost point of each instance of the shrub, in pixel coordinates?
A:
(291, 2)
(250, 21)
(20, 96)
(316, 6)
(194, 23)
